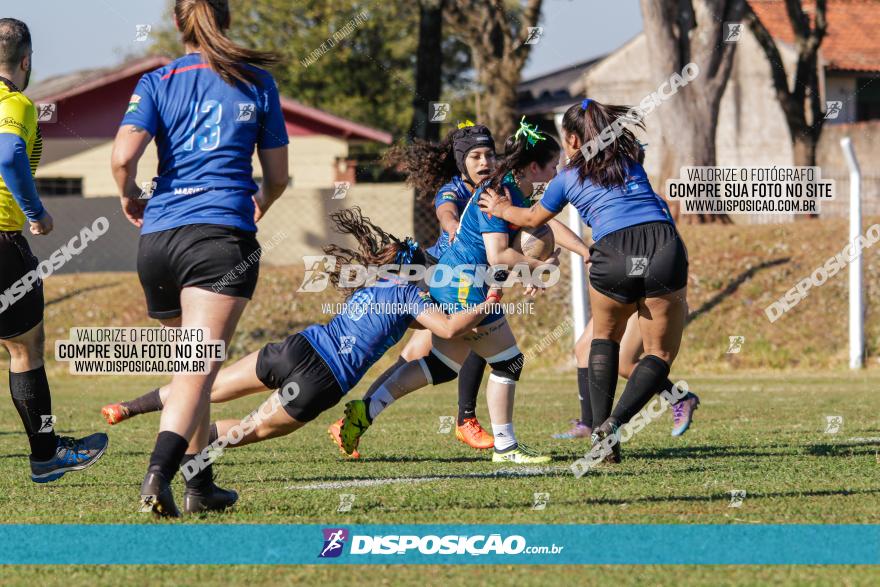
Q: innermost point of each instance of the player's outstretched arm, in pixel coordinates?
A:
(452, 325)
(15, 170)
(494, 204)
(567, 239)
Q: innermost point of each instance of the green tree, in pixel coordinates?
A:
(352, 58)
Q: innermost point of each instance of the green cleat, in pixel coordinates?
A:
(520, 455)
(354, 424)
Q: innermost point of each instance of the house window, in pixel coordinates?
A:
(868, 98)
(59, 186)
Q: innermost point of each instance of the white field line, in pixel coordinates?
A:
(523, 472)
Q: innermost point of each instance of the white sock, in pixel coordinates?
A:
(379, 401)
(504, 436)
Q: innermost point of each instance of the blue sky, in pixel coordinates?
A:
(94, 33)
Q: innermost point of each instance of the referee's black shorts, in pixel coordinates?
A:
(222, 259)
(642, 261)
(21, 289)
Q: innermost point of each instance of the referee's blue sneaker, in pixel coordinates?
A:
(71, 454)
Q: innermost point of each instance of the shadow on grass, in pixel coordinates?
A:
(732, 287)
(77, 292)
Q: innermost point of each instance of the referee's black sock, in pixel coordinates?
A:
(469, 379)
(643, 384)
(149, 402)
(30, 394)
(168, 454)
(203, 480)
(584, 396)
(385, 375)
(604, 359)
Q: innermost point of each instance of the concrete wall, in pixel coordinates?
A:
(752, 130)
(312, 160)
(298, 224)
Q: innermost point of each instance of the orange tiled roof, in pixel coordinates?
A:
(852, 40)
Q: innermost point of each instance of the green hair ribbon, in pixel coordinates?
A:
(529, 132)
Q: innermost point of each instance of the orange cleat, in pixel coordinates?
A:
(114, 413)
(473, 435)
(334, 431)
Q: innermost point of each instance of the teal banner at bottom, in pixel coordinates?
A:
(246, 544)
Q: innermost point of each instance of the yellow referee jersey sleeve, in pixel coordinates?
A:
(18, 116)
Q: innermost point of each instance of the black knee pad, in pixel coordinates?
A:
(507, 370)
(439, 370)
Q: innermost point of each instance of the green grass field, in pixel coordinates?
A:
(764, 434)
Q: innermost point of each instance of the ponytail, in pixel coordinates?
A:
(203, 24)
(603, 165)
(528, 145)
(375, 247)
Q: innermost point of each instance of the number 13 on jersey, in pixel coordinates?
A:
(206, 134)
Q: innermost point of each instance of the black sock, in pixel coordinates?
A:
(666, 386)
(149, 402)
(584, 396)
(30, 394)
(470, 377)
(168, 454)
(604, 359)
(384, 376)
(212, 433)
(202, 481)
(643, 384)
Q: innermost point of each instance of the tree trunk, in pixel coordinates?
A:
(679, 32)
(429, 86)
(498, 103)
(429, 64)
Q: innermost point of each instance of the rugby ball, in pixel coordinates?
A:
(537, 243)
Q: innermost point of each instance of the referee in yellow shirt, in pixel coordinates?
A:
(21, 289)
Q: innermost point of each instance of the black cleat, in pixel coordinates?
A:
(156, 497)
(605, 435)
(216, 500)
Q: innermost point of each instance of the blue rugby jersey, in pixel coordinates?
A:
(457, 192)
(606, 210)
(374, 319)
(205, 131)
